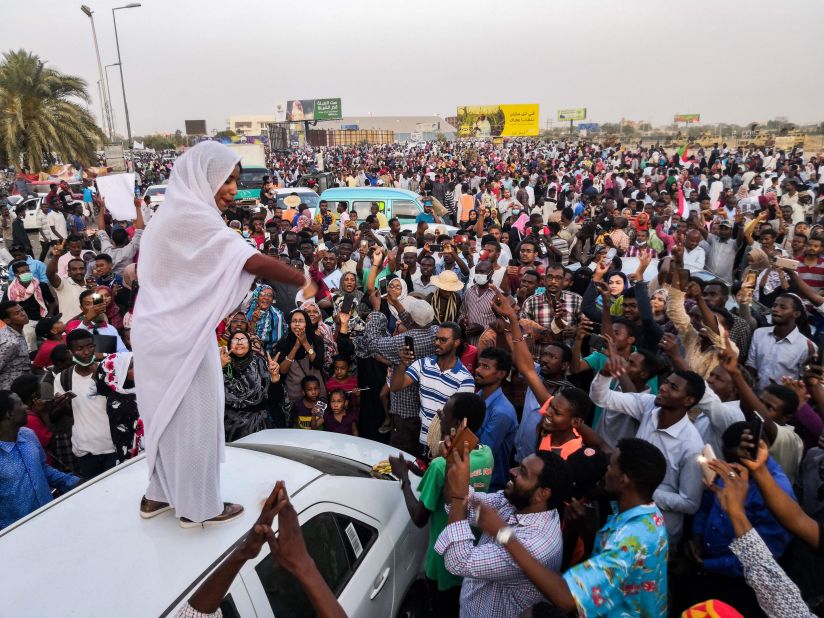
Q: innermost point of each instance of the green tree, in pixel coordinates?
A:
(225, 133)
(41, 114)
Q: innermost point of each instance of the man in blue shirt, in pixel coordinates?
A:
(36, 267)
(428, 215)
(501, 423)
(25, 477)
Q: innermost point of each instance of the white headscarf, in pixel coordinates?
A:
(191, 276)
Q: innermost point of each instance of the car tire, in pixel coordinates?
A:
(416, 602)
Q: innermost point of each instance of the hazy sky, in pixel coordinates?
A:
(737, 61)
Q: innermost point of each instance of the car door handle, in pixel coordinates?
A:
(379, 583)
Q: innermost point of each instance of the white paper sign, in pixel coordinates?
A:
(118, 191)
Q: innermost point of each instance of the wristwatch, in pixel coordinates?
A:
(504, 534)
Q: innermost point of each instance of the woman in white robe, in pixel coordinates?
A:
(194, 270)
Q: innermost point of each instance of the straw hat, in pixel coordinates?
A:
(447, 281)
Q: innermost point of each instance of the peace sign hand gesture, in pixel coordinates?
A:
(224, 356)
(274, 366)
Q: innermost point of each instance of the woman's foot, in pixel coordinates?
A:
(152, 508)
(386, 427)
(230, 512)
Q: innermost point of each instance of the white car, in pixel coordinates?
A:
(32, 205)
(156, 193)
(101, 559)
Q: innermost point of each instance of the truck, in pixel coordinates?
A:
(253, 169)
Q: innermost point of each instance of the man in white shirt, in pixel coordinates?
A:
(664, 423)
(67, 289)
(57, 225)
(694, 256)
(91, 435)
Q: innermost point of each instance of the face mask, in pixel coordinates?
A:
(515, 212)
(25, 277)
(77, 361)
(481, 279)
(246, 234)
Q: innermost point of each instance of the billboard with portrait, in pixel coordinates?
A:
(498, 120)
(313, 109)
(688, 118)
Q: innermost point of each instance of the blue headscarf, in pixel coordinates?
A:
(271, 326)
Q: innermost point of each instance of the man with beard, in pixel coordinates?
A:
(555, 309)
(630, 551)
(493, 584)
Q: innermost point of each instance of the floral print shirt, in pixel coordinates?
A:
(627, 573)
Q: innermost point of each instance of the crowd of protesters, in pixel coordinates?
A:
(632, 334)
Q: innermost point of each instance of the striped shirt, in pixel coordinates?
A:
(477, 308)
(812, 275)
(436, 386)
(494, 585)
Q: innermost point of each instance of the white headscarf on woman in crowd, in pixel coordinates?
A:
(191, 276)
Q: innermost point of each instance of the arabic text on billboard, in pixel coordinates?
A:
(313, 109)
(498, 120)
(579, 113)
(688, 118)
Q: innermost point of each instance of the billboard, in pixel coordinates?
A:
(688, 118)
(196, 127)
(313, 109)
(578, 113)
(588, 126)
(498, 120)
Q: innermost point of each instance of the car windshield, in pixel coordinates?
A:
(251, 179)
(155, 191)
(310, 199)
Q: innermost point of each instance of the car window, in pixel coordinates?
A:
(310, 199)
(337, 544)
(405, 208)
(156, 191)
(364, 208)
(228, 607)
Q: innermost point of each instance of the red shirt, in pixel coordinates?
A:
(44, 436)
(43, 357)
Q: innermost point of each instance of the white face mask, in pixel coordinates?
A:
(481, 279)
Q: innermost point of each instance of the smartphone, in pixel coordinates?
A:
(756, 429)
(706, 456)
(319, 408)
(348, 301)
(382, 285)
(464, 435)
(437, 247)
(597, 343)
(364, 244)
(513, 262)
(97, 299)
(782, 262)
(535, 230)
(409, 343)
(750, 278)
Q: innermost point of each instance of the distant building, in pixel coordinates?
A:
(405, 128)
(423, 127)
(250, 125)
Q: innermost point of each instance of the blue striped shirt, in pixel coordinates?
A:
(437, 386)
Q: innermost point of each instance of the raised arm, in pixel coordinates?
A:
(138, 220)
(51, 267)
(274, 270)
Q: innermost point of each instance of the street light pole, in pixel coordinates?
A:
(109, 92)
(107, 107)
(132, 5)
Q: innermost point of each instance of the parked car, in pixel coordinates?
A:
(156, 193)
(30, 220)
(101, 559)
(405, 205)
(42, 187)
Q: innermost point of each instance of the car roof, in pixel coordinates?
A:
(298, 190)
(368, 193)
(96, 529)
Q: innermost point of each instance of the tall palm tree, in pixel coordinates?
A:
(41, 114)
